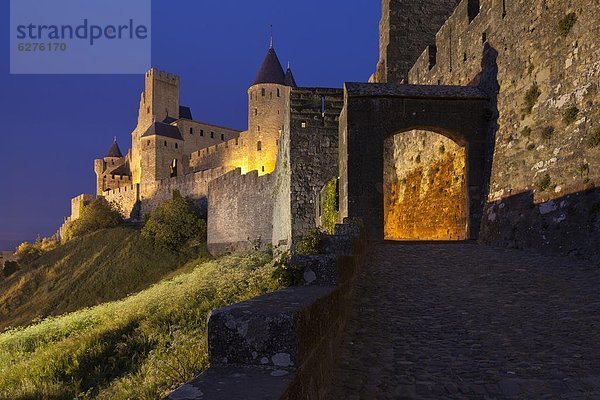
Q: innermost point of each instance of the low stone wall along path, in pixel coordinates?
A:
(462, 321)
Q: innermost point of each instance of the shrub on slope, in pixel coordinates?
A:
(99, 214)
(175, 225)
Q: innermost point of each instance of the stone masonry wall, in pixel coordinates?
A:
(424, 188)
(126, 198)
(314, 132)
(406, 27)
(282, 216)
(194, 186)
(546, 160)
(241, 212)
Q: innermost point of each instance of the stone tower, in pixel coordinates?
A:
(110, 169)
(159, 101)
(161, 152)
(266, 104)
(407, 27)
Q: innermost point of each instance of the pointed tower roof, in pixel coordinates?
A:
(114, 151)
(270, 71)
(289, 77)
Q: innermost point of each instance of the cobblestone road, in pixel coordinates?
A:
(454, 321)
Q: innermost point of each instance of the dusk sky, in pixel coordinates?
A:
(54, 126)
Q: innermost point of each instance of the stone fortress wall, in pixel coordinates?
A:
(240, 215)
(405, 29)
(137, 200)
(277, 209)
(256, 148)
(237, 177)
(544, 162)
(313, 151)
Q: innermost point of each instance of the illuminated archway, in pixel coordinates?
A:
(425, 193)
(374, 112)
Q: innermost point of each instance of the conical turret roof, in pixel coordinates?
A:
(114, 151)
(289, 78)
(270, 71)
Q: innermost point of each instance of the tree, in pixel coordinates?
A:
(175, 224)
(27, 252)
(99, 214)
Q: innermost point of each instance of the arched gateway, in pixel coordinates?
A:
(374, 112)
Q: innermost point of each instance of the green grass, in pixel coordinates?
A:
(103, 266)
(330, 207)
(140, 347)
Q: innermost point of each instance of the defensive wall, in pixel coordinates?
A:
(314, 128)
(406, 27)
(240, 212)
(280, 208)
(542, 59)
(137, 200)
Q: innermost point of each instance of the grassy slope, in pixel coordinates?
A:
(137, 348)
(103, 266)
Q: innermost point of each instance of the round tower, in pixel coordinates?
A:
(267, 99)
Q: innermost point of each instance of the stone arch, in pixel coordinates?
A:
(373, 112)
(425, 194)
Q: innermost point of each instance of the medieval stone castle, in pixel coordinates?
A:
(480, 122)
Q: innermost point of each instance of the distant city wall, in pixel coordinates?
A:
(126, 198)
(193, 185)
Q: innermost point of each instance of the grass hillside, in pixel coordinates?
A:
(140, 347)
(102, 266)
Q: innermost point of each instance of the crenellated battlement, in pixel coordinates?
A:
(453, 47)
(163, 75)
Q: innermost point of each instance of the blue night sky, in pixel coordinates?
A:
(54, 126)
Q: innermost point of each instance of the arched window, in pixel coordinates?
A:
(191, 131)
(263, 92)
(165, 143)
(259, 146)
(278, 93)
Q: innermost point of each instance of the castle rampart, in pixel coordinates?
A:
(240, 216)
(546, 168)
(126, 198)
(406, 27)
(193, 185)
(314, 133)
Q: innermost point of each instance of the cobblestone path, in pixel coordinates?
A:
(461, 321)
